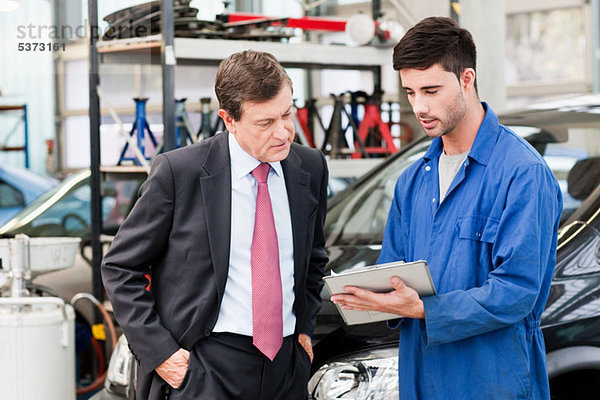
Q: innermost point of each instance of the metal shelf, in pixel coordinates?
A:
(212, 51)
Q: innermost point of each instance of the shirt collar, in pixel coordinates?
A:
(483, 146)
(243, 163)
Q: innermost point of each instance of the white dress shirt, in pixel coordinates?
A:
(235, 314)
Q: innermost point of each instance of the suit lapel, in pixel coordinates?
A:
(216, 193)
(297, 184)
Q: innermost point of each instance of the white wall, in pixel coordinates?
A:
(27, 77)
(489, 38)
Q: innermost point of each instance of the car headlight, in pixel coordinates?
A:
(365, 376)
(120, 369)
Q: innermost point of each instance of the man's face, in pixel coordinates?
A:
(436, 97)
(265, 130)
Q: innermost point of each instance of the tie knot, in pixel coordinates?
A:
(261, 172)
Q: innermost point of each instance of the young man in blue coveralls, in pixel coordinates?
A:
(482, 208)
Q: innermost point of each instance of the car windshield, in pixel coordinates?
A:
(359, 217)
(65, 209)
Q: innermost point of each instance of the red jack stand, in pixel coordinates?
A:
(304, 119)
(373, 131)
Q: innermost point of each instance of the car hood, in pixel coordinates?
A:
(343, 259)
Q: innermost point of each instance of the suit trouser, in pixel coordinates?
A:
(226, 366)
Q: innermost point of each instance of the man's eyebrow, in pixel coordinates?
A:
(271, 118)
(424, 87)
(258, 121)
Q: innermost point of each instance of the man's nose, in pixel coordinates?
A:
(282, 129)
(420, 106)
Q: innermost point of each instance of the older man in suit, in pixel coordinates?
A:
(231, 232)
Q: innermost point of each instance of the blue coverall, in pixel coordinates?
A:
(491, 249)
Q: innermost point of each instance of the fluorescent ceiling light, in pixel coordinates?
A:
(8, 5)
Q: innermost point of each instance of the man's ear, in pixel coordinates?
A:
(467, 78)
(228, 120)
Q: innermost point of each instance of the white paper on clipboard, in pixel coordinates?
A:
(376, 278)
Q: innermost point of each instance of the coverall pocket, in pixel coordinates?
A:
(476, 227)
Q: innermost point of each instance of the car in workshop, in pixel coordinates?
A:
(342, 172)
(19, 187)
(64, 210)
(360, 362)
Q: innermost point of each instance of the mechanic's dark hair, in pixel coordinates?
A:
(248, 76)
(436, 40)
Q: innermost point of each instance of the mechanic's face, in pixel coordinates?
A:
(437, 98)
(265, 130)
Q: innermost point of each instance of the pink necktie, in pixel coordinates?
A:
(267, 318)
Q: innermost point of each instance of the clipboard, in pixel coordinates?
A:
(376, 278)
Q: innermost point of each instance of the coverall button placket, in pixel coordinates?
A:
(434, 222)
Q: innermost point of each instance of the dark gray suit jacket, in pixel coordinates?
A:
(179, 233)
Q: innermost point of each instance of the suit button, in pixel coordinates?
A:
(206, 333)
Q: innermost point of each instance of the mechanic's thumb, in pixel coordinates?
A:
(397, 283)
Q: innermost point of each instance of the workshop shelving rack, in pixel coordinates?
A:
(25, 147)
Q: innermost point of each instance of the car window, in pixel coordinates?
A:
(10, 196)
(336, 185)
(576, 165)
(67, 215)
(65, 211)
(359, 218)
(117, 199)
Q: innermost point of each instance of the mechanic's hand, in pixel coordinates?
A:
(304, 340)
(174, 368)
(402, 301)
